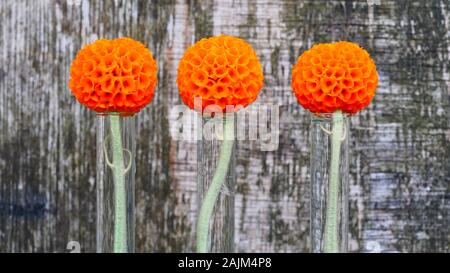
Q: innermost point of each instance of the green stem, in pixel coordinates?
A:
(120, 226)
(331, 240)
(214, 188)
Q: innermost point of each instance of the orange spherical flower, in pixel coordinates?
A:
(335, 76)
(114, 76)
(221, 70)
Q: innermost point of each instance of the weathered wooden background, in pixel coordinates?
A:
(400, 165)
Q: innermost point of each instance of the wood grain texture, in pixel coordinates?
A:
(400, 152)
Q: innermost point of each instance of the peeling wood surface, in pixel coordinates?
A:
(400, 152)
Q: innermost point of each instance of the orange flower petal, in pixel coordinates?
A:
(114, 76)
(229, 72)
(334, 76)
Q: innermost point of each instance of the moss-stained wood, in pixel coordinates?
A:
(400, 153)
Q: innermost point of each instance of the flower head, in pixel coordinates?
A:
(221, 70)
(335, 76)
(117, 75)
